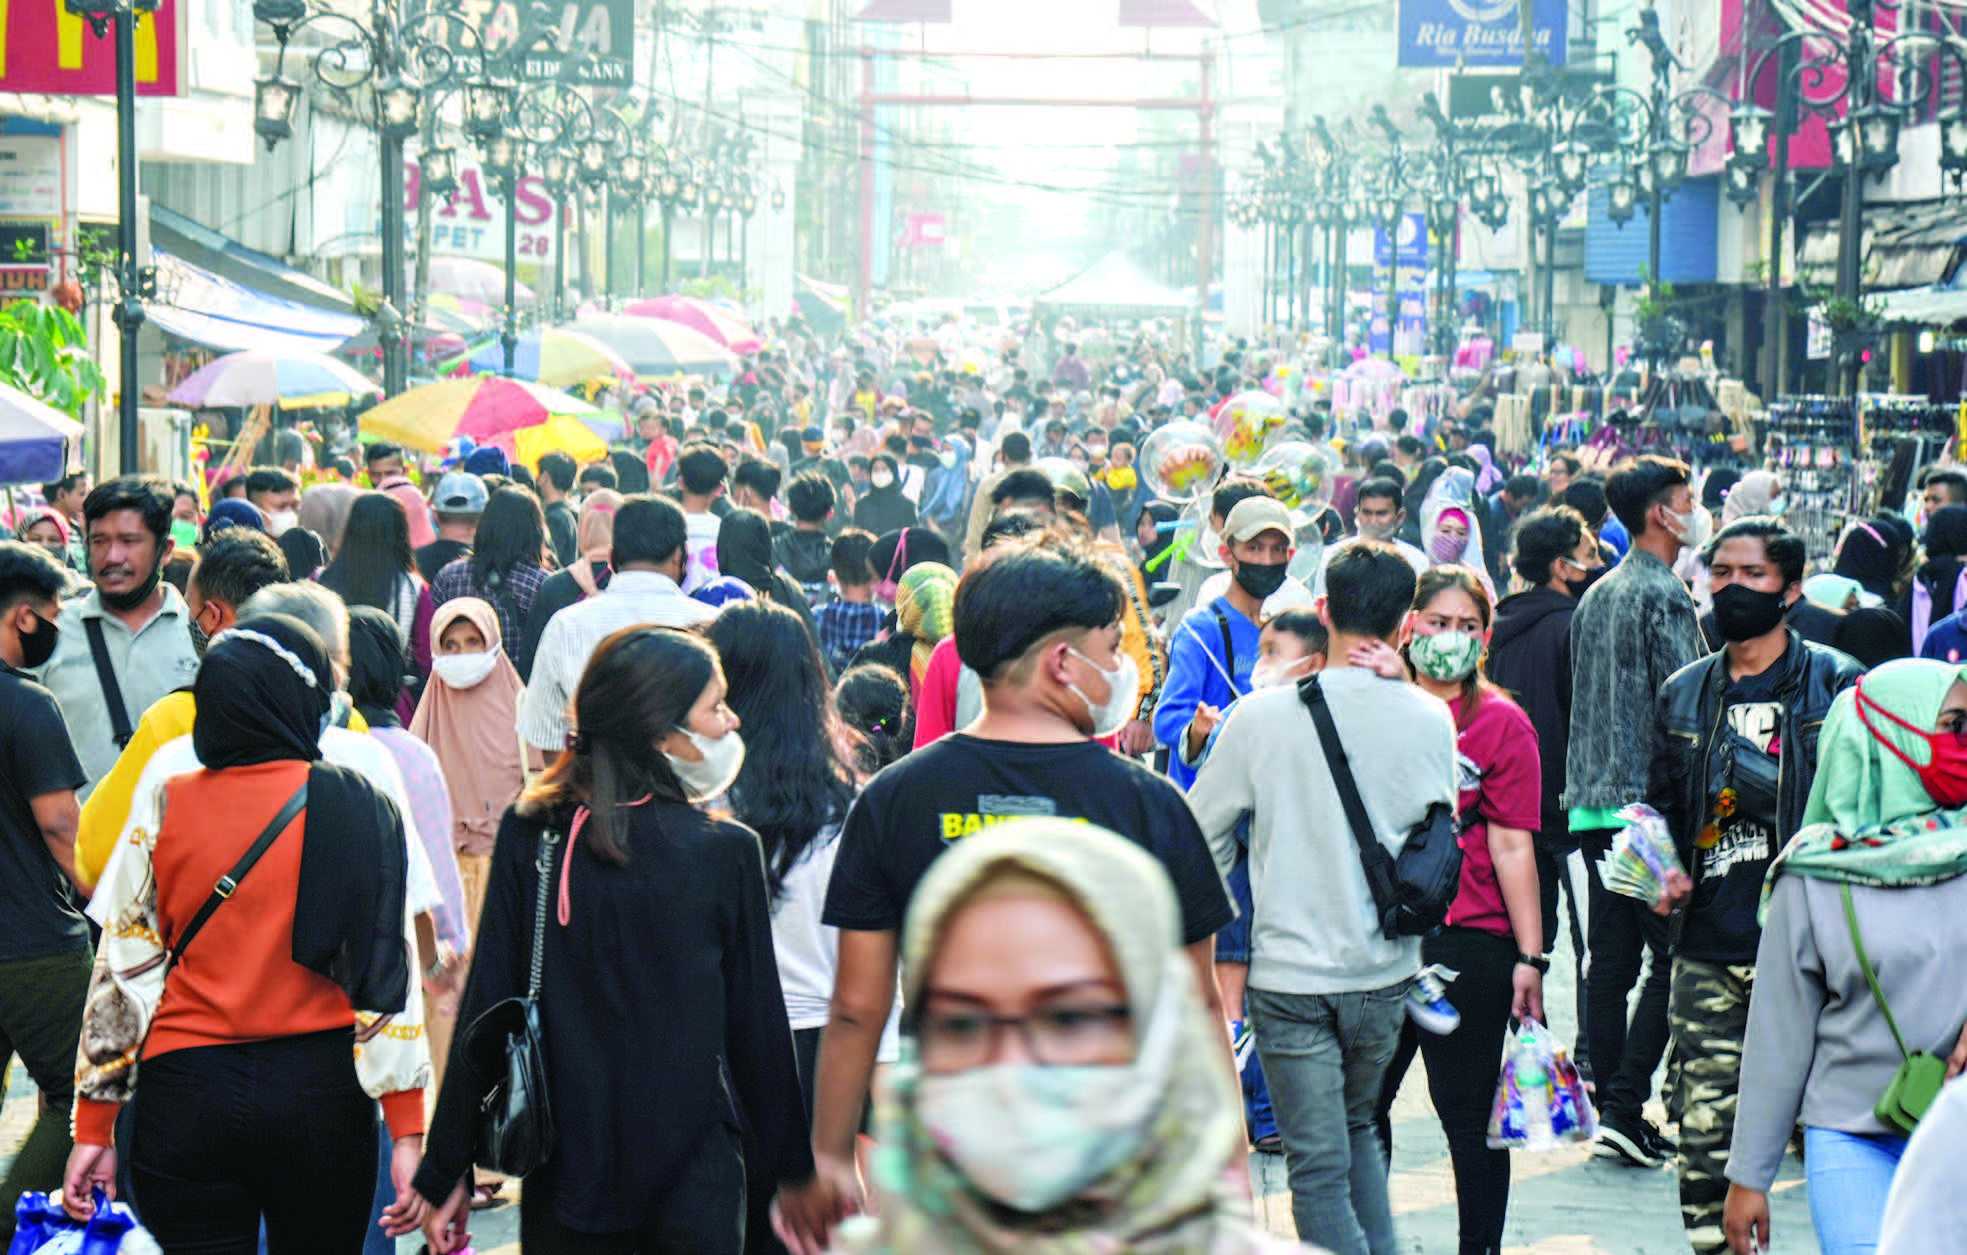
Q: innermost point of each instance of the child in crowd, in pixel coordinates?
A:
(852, 619)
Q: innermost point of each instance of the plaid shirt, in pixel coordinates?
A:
(845, 626)
(513, 601)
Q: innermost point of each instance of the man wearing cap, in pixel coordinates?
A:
(1212, 650)
(459, 500)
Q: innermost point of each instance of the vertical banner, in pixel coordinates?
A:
(45, 48)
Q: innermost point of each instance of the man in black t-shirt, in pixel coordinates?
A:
(44, 943)
(1041, 627)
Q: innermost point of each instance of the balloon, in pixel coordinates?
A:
(1246, 424)
(1181, 462)
(1299, 473)
(1205, 545)
(1310, 554)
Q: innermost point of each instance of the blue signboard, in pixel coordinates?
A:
(1413, 243)
(1478, 33)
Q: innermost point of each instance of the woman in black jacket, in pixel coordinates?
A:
(660, 1002)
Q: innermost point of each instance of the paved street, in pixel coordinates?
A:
(1562, 1203)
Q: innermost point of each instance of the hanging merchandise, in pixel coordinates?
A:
(1899, 436)
(1812, 442)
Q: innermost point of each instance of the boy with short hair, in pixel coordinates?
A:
(852, 620)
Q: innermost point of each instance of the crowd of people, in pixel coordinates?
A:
(884, 823)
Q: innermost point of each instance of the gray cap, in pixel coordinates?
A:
(460, 492)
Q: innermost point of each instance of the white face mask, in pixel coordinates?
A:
(1695, 526)
(881, 479)
(715, 772)
(463, 671)
(278, 521)
(1270, 673)
(1122, 694)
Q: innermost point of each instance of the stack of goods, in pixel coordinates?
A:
(1642, 857)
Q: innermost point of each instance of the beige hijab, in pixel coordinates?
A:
(324, 511)
(472, 732)
(595, 537)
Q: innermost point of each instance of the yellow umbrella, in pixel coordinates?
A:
(483, 407)
(560, 433)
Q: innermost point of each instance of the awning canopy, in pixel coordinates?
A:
(1115, 286)
(1931, 306)
(183, 238)
(197, 305)
(1904, 245)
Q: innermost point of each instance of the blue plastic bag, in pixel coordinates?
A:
(43, 1228)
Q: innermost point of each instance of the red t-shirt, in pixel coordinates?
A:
(1501, 782)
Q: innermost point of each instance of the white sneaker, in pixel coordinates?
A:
(1427, 1001)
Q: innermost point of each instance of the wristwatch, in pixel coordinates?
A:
(1537, 961)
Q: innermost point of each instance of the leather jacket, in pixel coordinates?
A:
(1689, 715)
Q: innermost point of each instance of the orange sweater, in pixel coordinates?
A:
(238, 981)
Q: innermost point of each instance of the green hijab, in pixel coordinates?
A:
(1869, 820)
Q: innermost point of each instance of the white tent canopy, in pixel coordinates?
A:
(1115, 287)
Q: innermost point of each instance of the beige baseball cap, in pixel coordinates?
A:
(1253, 516)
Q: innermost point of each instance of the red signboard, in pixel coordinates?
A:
(45, 48)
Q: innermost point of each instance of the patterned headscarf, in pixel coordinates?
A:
(925, 608)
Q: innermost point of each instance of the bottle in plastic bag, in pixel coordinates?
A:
(41, 1227)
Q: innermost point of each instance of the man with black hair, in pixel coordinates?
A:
(1027, 489)
(277, 494)
(1586, 495)
(44, 941)
(1326, 989)
(1378, 515)
(233, 565)
(1517, 497)
(557, 471)
(1015, 449)
(598, 475)
(852, 618)
(1943, 487)
(383, 461)
(650, 549)
(1408, 452)
(128, 642)
(805, 550)
(700, 473)
(754, 484)
(1530, 655)
(1632, 629)
(1040, 626)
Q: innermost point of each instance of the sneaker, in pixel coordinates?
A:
(1427, 1001)
(1242, 1043)
(1663, 1145)
(1628, 1140)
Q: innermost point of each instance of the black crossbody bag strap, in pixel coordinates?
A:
(112, 692)
(228, 884)
(1373, 858)
(1229, 647)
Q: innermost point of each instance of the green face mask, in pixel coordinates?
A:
(1446, 656)
(185, 533)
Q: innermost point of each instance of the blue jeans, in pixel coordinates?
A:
(376, 1242)
(1850, 1175)
(1325, 1056)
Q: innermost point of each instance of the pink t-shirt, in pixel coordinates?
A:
(1501, 783)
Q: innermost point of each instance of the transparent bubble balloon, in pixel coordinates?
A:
(1181, 462)
(1204, 544)
(1310, 554)
(1247, 424)
(1299, 473)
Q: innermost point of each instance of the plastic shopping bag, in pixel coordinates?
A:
(43, 1228)
(1642, 857)
(1540, 1098)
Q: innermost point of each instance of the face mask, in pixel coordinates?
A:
(1592, 574)
(1270, 674)
(1260, 579)
(1944, 777)
(1776, 506)
(38, 648)
(1446, 656)
(185, 533)
(463, 671)
(881, 479)
(1742, 614)
(279, 521)
(1446, 547)
(1380, 531)
(1694, 527)
(1122, 695)
(201, 640)
(715, 772)
(136, 596)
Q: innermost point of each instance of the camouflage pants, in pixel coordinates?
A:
(1709, 1011)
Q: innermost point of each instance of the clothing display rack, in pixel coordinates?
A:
(1813, 442)
(1903, 434)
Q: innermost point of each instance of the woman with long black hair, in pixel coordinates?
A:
(375, 566)
(504, 565)
(744, 549)
(659, 997)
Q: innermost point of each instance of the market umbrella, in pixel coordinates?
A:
(655, 347)
(474, 280)
(483, 407)
(554, 356)
(719, 324)
(291, 381)
(560, 433)
(38, 443)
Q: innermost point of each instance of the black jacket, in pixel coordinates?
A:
(1530, 655)
(1689, 713)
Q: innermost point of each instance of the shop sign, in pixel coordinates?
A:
(1465, 33)
(45, 48)
(30, 176)
(472, 222)
(593, 45)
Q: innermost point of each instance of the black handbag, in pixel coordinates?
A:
(515, 1120)
(1411, 892)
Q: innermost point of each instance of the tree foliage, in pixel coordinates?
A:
(44, 353)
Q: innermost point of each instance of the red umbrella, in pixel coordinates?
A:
(699, 316)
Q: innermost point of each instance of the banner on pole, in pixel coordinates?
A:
(44, 48)
(1474, 33)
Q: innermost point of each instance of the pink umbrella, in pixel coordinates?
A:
(473, 280)
(700, 316)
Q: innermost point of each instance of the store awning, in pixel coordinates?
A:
(1905, 245)
(1932, 306)
(171, 232)
(204, 308)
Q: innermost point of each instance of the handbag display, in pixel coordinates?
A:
(515, 1121)
(1916, 1083)
(1411, 892)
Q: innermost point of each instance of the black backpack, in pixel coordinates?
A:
(1411, 892)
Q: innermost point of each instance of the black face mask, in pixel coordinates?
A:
(136, 596)
(1591, 576)
(38, 648)
(1742, 614)
(1260, 579)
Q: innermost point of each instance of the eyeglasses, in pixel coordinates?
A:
(952, 1041)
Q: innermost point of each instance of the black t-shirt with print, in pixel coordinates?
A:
(961, 785)
(1738, 837)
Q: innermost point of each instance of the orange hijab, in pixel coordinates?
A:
(473, 732)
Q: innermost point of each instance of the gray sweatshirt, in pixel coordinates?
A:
(1926, 1213)
(1818, 1051)
(1314, 929)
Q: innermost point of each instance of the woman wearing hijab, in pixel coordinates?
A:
(504, 565)
(467, 716)
(659, 992)
(1060, 1088)
(1939, 587)
(587, 575)
(1877, 870)
(925, 611)
(415, 509)
(232, 512)
(298, 978)
(744, 550)
(1449, 533)
(44, 526)
(883, 508)
(1755, 493)
(1871, 554)
(324, 510)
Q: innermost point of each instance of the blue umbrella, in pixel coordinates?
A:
(38, 443)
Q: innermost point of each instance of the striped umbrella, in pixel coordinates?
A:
(556, 357)
(484, 407)
(719, 324)
(655, 347)
(291, 381)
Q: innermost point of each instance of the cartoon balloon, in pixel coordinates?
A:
(1181, 461)
(1299, 473)
(1246, 424)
